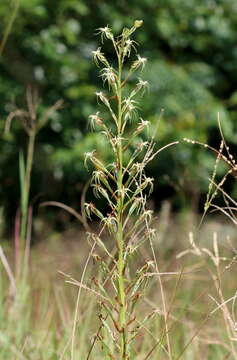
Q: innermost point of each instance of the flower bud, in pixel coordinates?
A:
(138, 23)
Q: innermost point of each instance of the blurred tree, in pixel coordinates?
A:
(192, 51)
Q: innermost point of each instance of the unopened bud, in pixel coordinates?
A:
(138, 23)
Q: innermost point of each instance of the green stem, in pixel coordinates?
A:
(9, 26)
(119, 236)
(26, 192)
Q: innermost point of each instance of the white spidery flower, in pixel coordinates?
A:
(151, 233)
(147, 215)
(97, 190)
(100, 95)
(98, 56)
(142, 145)
(141, 61)
(142, 84)
(88, 156)
(105, 32)
(89, 209)
(142, 125)
(123, 192)
(129, 107)
(129, 45)
(148, 181)
(95, 119)
(108, 75)
(111, 223)
(98, 175)
(137, 168)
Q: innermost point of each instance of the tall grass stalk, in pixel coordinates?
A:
(32, 123)
(229, 209)
(17, 305)
(222, 154)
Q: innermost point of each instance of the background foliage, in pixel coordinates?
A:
(192, 69)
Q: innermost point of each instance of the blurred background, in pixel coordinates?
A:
(192, 70)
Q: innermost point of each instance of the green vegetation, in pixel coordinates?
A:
(125, 188)
(138, 286)
(192, 66)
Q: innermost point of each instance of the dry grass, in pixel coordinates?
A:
(45, 321)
